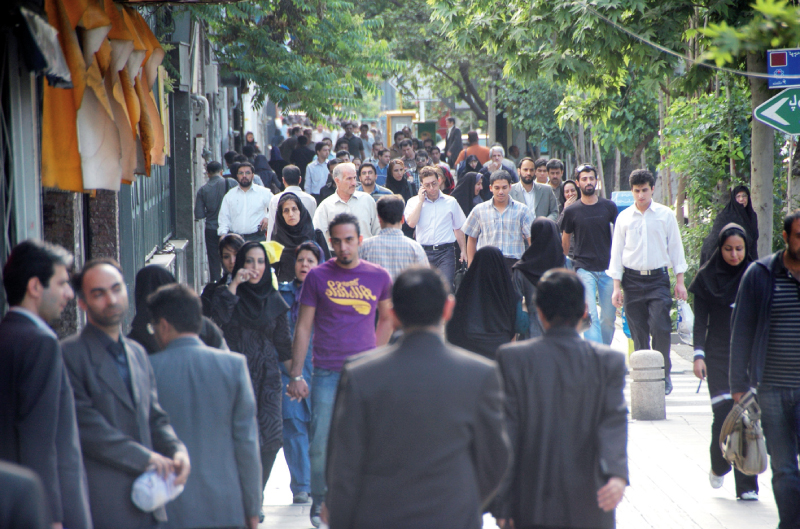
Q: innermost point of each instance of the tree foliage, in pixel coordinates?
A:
(309, 55)
(532, 108)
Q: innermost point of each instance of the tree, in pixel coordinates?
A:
(310, 55)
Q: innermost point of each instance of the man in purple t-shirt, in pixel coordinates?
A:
(340, 299)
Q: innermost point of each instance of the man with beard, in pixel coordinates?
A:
(538, 197)
(354, 143)
(366, 177)
(123, 429)
(591, 219)
(555, 172)
(245, 208)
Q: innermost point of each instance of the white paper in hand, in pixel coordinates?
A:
(151, 491)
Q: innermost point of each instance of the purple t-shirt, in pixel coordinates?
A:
(345, 302)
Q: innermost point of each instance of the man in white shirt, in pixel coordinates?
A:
(245, 208)
(317, 170)
(438, 220)
(347, 200)
(646, 243)
(291, 184)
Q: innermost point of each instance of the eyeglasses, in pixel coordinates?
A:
(431, 185)
(585, 167)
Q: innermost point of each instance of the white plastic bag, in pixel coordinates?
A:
(685, 323)
(151, 491)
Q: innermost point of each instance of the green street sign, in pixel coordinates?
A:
(781, 112)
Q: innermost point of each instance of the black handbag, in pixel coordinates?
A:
(461, 270)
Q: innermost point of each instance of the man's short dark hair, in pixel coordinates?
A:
(249, 151)
(333, 163)
(31, 258)
(500, 174)
(406, 143)
(291, 175)
(430, 170)
(296, 130)
(418, 296)
(240, 158)
(319, 146)
(302, 141)
(234, 241)
(640, 177)
(426, 140)
(559, 296)
(451, 119)
(540, 162)
(382, 152)
(435, 148)
(399, 134)
(390, 209)
(526, 159)
(364, 125)
(555, 163)
(179, 305)
(422, 153)
(213, 168)
(585, 168)
(343, 153)
(472, 137)
(342, 142)
(245, 164)
(366, 164)
(230, 157)
(77, 278)
(344, 218)
(789, 221)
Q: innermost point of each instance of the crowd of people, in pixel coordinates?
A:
(452, 415)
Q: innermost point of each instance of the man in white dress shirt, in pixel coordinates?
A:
(317, 170)
(438, 220)
(347, 200)
(646, 243)
(291, 184)
(245, 207)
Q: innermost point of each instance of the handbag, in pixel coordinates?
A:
(461, 271)
(742, 440)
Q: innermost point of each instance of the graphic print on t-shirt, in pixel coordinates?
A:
(350, 293)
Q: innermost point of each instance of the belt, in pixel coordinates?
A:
(435, 247)
(654, 272)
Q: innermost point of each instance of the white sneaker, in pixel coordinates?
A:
(750, 495)
(716, 481)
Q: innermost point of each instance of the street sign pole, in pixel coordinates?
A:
(781, 112)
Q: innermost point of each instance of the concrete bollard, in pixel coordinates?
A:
(648, 402)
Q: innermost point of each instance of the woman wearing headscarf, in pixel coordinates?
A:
(293, 226)
(276, 161)
(471, 165)
(268, 176)
(714, 289)
(397, 181)
(252, 315)
(467, 192)
(485, 314)
(148, 279)
(544, 253)
(739, 210)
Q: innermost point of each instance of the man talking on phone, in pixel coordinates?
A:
(438, 220)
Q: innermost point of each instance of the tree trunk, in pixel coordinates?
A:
(581, 152)
(601, 172)
(617, 168)
(681, 199)
(762, 157)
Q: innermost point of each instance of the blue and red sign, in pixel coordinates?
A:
(783, 66)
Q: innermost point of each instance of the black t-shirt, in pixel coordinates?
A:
(354, 145)
(592, 228)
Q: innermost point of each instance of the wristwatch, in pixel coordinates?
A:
(298, 379)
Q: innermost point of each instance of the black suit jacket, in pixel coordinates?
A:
(22, 504)
(417, 438)
(117, 432)
(454, 145)
(567, 421)
(37, 417)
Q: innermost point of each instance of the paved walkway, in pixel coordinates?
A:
(668, 462)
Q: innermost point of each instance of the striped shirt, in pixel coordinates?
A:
(782, 365)
(507, 230)
(393, 251)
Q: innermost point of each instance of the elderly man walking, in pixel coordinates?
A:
(347, 199)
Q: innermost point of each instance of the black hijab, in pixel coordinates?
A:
(717, 281)
(258, 303)
(399, 187)
(486, 302)
(464, 192)
(744, 216)
(291, 236)
(544, 253)
(466, 167)
(276, 161)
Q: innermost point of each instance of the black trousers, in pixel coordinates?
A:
(647, 301)
(719, 465)
(212, 252)
(258, 236)
(267, 460)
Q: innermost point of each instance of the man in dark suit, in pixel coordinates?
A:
(22, 503)
(452, 143)
(37, 410)
(123, 430)
(567, 419)
(209, 398)
(418, 437)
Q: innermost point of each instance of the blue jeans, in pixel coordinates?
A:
(599, 286)
(323, 398)
(780, 418)
(295, 450)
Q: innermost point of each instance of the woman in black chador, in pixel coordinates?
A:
(252, 315)
(738, 211)
(714, 290)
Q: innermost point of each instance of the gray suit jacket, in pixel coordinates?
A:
(417, 439)
(545, 199)
(209, 398)
(117, 433)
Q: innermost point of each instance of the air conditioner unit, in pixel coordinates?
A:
(212, 78)
(179, 57)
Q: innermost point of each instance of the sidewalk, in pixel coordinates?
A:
(668, 462)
